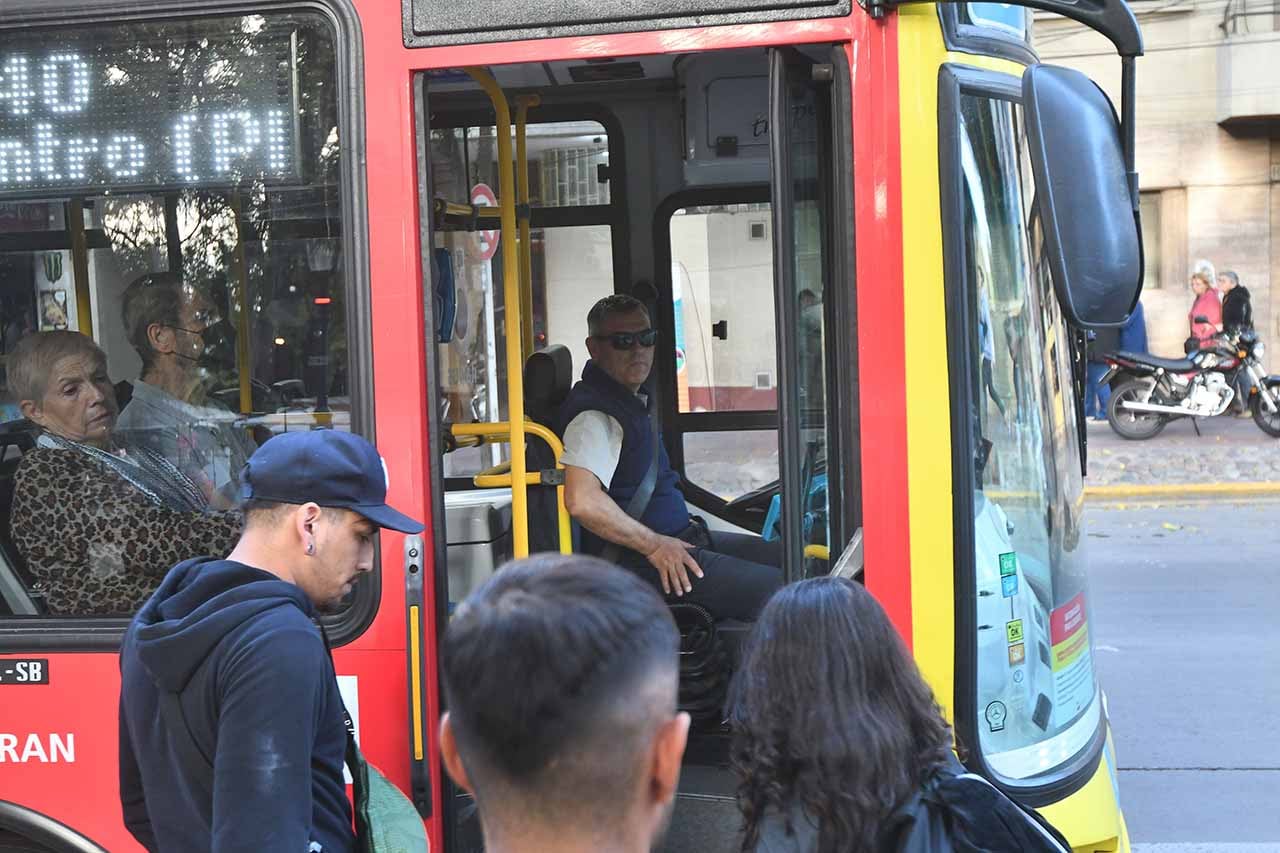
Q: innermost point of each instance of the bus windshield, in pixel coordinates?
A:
(1037, 698)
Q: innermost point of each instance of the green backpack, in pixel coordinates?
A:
(386, 821)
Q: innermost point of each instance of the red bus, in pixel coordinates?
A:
(863, 277)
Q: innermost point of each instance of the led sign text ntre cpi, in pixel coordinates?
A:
(70, 119)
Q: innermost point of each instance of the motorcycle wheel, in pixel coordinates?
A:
(1130, 425)
(1268, 422)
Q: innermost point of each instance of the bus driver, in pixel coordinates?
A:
(608, 450)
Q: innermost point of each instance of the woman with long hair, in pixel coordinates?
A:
(834, 729)
(840, 747)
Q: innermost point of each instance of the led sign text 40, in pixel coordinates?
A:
(63, 143)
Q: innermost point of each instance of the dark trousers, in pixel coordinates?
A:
(739, 572)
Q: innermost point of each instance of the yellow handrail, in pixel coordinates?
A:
(821, 552)
(511, 314)
(493, 479)
(523, 103)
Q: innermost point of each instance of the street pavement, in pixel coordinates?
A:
(1185, 599)
(1227, 450)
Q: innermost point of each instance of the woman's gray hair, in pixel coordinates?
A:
(31, 363)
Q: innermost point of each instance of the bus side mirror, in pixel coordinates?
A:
(1092, 234)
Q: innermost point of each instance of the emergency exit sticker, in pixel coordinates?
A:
(1013, 631)
(1008, 564)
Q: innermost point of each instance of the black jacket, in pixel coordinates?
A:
(953, 812)
(1237, 309)
(1101, 342)
(257, 688)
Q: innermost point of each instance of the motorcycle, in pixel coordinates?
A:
(1147, 392)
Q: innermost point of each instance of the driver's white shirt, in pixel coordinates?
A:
(593, 440)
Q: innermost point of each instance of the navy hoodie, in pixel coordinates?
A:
(257, 687)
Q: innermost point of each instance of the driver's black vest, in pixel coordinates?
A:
(666, 513)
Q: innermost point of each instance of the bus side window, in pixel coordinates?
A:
(172, 293)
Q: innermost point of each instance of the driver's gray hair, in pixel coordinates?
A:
(617, 305)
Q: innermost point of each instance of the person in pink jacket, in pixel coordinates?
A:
(1206, 305)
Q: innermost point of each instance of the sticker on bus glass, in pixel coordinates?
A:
(1017, 654)
(1009, 586)
(1013, 631)
(1008, 564)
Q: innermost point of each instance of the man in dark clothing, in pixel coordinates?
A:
(1237, 307)
(561, 678)
(1237, 316)
(232, 731)
(609, 446)
(1096, 394)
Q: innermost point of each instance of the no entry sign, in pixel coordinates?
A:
(486, 244)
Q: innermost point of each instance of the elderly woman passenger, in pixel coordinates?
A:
(98, 524)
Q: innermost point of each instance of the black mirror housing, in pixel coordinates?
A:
(1093, 238)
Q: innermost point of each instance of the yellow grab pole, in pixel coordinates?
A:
(510, 313)
(526, 248)
(240, 294)
(485, 480)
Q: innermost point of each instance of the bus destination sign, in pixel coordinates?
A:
(24, 671)
(82, 114)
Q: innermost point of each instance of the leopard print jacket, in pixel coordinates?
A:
(95, 544)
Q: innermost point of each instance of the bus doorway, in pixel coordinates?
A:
(661, 176)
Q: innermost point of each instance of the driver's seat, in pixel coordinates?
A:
(548, 377)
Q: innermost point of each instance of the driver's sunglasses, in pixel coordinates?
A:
(629, 340)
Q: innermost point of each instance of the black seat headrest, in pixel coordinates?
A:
(548, 376)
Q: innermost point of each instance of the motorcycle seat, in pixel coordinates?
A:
(1176, 365)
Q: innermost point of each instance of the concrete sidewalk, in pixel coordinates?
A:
(1230, 457)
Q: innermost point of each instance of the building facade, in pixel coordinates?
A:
(1208, 148)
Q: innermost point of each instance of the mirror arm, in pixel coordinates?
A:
(1129, 123)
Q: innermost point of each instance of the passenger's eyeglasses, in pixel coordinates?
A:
(629, 340)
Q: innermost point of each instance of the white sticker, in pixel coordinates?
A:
(348, 686)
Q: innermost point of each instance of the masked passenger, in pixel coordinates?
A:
(167, 321)
(97, 523)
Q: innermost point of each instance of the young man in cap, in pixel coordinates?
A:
(561, 678)
(232, 732)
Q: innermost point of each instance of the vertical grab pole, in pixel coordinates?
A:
(244, 358)
(523, 103)
(511, 312)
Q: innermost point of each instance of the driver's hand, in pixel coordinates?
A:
(674, 563)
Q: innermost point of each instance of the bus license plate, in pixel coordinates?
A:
(28, 671)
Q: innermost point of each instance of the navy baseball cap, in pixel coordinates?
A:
(327, 467)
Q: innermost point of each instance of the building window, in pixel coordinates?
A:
(1151, 249)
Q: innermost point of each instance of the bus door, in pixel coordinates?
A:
(757, 312)
(753, 304)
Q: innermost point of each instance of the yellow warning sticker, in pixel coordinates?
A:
(1013, 631)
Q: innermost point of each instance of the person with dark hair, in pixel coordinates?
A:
(620, 486)
(839, 744)
(166, 320)
(560, 675)
(232, 730)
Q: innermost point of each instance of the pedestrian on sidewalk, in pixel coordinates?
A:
(560, 675)
(1206, 305)
(1133, 334)
(1096, 393)
(1237, 306)
(232, 729)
